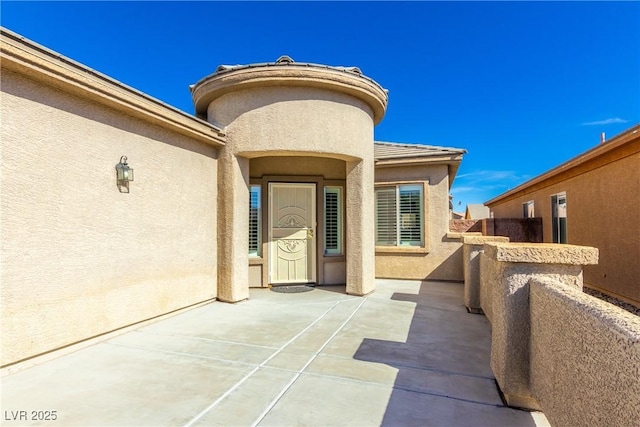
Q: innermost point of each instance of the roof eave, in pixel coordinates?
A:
(418, 160)
(617, 141)
(452, 162)
(37, 62)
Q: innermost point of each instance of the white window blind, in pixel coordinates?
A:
(399, 215)
(386, 217)
(410, 215)
(254, 220)
(333, 220)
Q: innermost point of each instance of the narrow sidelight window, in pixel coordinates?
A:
(527, 209)
(255, 221)
(559, 218)
(333, 220)
(399, 215)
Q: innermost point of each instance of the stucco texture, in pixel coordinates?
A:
(507, 269)
(303, 166)
(272, 121)
(288, 120)
(585, 357)
(473, 246)
(79, 258)
(441, 258)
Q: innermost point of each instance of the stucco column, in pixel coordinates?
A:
(472, 247)
(233, 227)
(506, 271)
(360, 227)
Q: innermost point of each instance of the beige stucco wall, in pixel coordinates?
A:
(79, 258)
(472, 249)
(302, 166)
(441, 259)
(602, 211)
(506, 270)
(292, 111)
(585, 357)
(271, 121)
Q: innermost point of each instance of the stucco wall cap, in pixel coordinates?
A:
(461, 235)
(481, 240)
(286, 72)
(542, 253)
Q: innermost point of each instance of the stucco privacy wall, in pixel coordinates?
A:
(441, 259)
(79, 258)
(602, 209)
(585, 357)
(288, 109)
(506, 269)
(473, 247)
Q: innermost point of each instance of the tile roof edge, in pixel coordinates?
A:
(418, 145)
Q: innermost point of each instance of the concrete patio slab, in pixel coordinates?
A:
(335, 401)
(408, 354)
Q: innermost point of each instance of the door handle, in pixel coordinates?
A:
(309, 234)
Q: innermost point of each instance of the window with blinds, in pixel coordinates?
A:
(410, 210)
(399, 215)
(386, 217)
(254, 220)
(333, 220)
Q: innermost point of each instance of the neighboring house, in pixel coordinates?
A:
(476, 211)
(590, 200)
(275, 180)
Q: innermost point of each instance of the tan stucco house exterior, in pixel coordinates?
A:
(590, 200)
(276, 179)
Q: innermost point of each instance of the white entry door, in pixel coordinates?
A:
(292, 227)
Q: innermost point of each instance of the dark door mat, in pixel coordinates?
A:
(292, 289)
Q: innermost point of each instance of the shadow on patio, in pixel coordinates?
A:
(443, 374)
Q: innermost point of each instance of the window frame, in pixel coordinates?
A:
(559, 231)
(424, 219)
(339, 190)
(258, 251)
(525, 209)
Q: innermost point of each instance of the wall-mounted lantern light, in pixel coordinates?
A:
(124, 174)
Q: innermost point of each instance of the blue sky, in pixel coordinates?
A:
(523, 86)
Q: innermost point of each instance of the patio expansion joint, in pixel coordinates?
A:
(262, 365)
(211, 340)
(178, 353)
(198, 356)
(301, 371)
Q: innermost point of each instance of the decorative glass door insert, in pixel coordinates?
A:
(292, 226)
